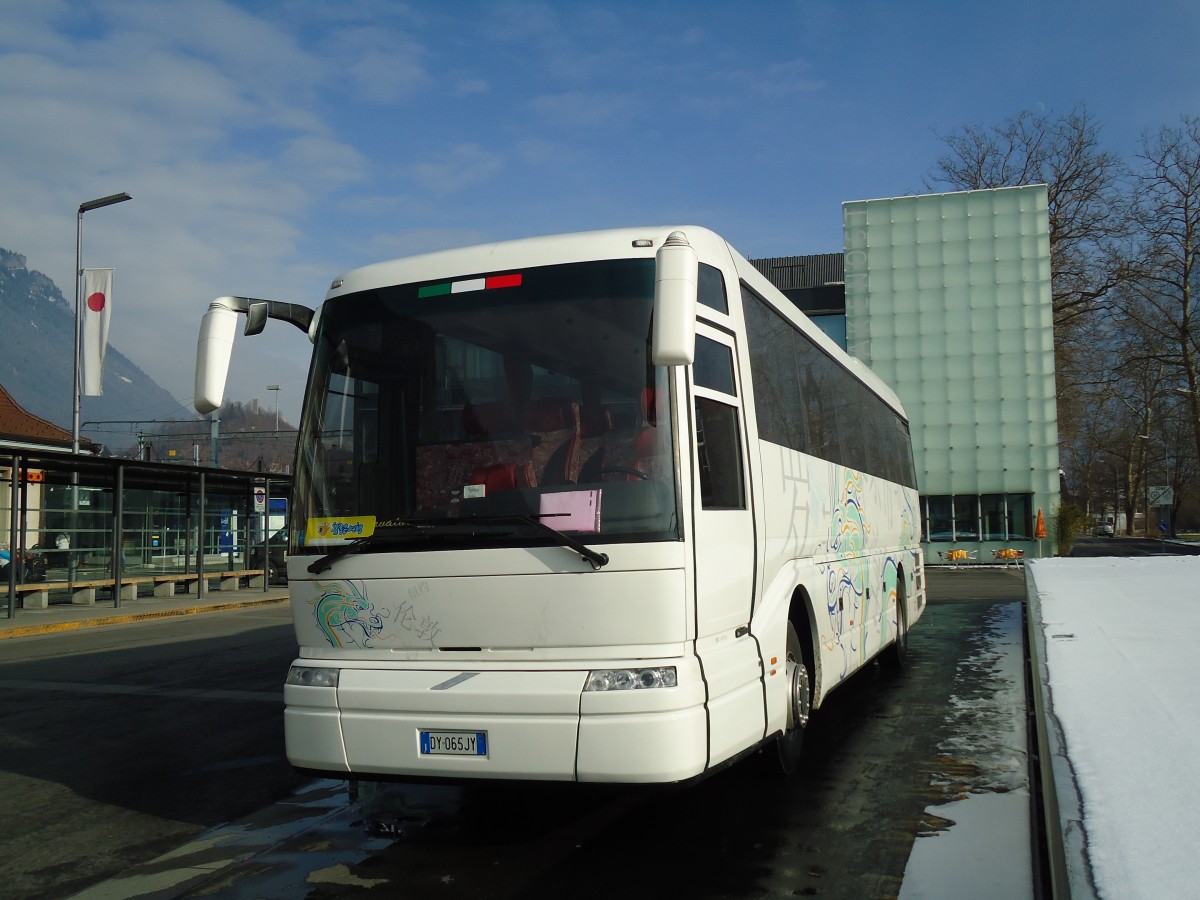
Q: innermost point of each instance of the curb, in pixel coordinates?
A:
(1069, 874)
(126, 618)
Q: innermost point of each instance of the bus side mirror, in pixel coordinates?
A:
(256, 317)
(673, 336)
(213, 350)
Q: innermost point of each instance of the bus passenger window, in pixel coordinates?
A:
(713, 367)
(719, 452)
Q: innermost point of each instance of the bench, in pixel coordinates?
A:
(37, 596)
(83, 593)
(164, 585)
(956, 556)
(1009, 556)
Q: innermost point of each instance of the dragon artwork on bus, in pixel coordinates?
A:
(597, 507)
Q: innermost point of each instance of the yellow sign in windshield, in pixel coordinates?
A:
(328, 529)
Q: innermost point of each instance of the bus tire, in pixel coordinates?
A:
(895, 655)
(790, 744)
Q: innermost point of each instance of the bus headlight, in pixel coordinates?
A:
(313, 676)
(631, 679)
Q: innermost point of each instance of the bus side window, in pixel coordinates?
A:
(719, 452)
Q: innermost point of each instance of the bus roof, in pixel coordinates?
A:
(551, 249)
(613, 243)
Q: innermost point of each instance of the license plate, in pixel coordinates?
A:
(454, 743)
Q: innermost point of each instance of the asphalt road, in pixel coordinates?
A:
(1131, 546)
(121, 744)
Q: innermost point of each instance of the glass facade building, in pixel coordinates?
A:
(947, 297)
(948, 300)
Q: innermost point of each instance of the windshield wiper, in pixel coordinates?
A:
(354, 546)
(596, 558)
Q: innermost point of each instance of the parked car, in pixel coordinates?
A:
(1103, 530)
(277, 571)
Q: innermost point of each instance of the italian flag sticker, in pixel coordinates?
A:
(489, 283)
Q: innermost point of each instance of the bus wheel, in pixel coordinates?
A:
(895, 655)
(799, 708)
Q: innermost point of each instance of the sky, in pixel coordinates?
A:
(271, 146)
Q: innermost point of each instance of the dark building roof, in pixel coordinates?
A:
(815, 283)
(814, 270)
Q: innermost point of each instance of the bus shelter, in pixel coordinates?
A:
(75, 524)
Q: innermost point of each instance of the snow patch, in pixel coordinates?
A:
(1120, 648)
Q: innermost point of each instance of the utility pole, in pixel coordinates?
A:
(275, 388)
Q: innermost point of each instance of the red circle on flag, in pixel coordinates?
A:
(95, 302)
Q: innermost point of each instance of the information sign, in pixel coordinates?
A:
(1160, 495)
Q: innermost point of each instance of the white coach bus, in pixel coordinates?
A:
(598, 507)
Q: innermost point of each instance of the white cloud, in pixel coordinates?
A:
(204, 113)
(259, 54)
(465, 166)
(270, 145)
(323, 162)
(591, 110)
(33, 26)
(384, 67)
(782, 79)
(423, 240)
(468, 86)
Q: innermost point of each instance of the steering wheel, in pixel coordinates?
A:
(622, 470)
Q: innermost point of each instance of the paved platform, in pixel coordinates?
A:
(67, 616)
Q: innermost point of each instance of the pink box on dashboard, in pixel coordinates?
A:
(571, 510)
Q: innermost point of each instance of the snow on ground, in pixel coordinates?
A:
(1120, 655)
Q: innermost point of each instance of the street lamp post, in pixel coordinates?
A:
(83, 207)
(87, 206)
(275, 388)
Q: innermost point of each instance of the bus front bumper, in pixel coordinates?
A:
(497, 724)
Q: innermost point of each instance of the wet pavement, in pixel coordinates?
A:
(979, 844)
(262, 843)
(126, 732)
(909, 780)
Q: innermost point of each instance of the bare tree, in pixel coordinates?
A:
(1088, 218)
(1124, 249)
(1174, 459)
(1131, 404)
(1087, 202)
(1161, 297)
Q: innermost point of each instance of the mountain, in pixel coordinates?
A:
(37, 362)
(251, 439)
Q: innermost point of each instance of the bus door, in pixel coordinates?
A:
(724, 546)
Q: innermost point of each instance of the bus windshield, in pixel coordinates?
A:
(443, 414)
